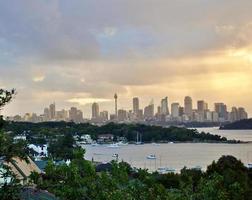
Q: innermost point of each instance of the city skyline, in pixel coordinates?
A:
(80, 52)
(187, 111)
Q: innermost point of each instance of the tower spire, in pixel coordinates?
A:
(115, 97)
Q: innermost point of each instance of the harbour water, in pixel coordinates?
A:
(177, 155)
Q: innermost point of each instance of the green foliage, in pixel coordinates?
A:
(62, 148)
(79, 181)
(51, 130)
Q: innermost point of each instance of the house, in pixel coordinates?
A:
(22, 169)
(39, 150)
(104, 138)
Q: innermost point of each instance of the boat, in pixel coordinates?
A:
(115, 155)
(250, 165)
(151, 157)
(114, 145)
(122, 143)
(165, 170)
(94, 144)
(155, 144)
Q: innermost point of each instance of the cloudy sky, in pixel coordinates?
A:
(79, 51)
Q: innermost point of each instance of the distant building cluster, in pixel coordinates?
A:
(163, 113)
(51, 114)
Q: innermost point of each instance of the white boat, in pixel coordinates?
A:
(122, 143)
(165, 170)
(155, 144)
(250, 165)
(94, 144)
(114, 145)
(115, 155)
(151, 157)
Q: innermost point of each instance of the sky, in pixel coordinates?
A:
(80, 51)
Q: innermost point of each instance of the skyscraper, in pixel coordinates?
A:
(242, 114)
(75, 115)
(52, 111)
(188, 106)
(135, 105)
(149, 111)
(122, 115)
(164, 106)
(221, 109)
(46, 114)
(115, 97)
(175, 110)
(95, 110)
(104, 115)
(202, 106)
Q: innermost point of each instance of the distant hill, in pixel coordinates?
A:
(242, 124)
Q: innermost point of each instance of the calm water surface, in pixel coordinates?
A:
(177, 155)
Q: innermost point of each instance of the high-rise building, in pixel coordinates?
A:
(75, 115)
(61, 115)
(181, 111)
(52, 111)
(149, 111)
(135, 105)
(234, 114)
(122, 115)
(115, 97)
(202, 106)
(46, 114)
(72, 113)
(242, 114)
(104, 115)
(95, 110)
(188, 110)
(175, 110)
(221, 109)
(164, 106)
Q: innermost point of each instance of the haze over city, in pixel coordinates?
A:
(77, 53)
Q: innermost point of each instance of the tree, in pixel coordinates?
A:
(8, 150)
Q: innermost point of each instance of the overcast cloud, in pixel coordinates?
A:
(75, 52)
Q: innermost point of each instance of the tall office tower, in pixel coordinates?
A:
(135, 105)
(242, 114)
(159, 110)
(46, 114)
(52, 109)
(188, 106)
(73, 114)
(115, 97)
(164, 106)
(202, 106)
(175, 110)
(181, 111)
(95, 110)
(149, 111)
(234, 116)
(221, 109)
(61, 115)
(122, 115)
(79, 116)
(140, 114)
(104, 115)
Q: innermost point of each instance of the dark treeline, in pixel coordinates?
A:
(242, 124)
(148, 133)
